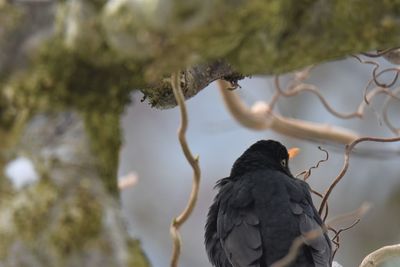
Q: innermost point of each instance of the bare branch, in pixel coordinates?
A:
(296, 89)
(303, 87)
(193, 80)
(357, 214)
(375, 75)
(349, 149)
(193, 161)
(261, 117)
(361, 211)
(381, 255)
(307, 173)
(335, 238)
(380, 53)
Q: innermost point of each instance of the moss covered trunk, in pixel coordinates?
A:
(67, 69)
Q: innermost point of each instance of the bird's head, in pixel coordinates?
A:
(264, 154)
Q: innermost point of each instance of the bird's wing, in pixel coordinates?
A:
(238, 226)
(215, 252)
(309, 220)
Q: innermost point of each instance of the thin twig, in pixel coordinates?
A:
(296, 86)
(307, 173)
(394, 80)
(349, 149)
(379, 53)
(375, 75)
(326, 206)
(358, 213)
(336, 236)
(381, 255)
(303, 87)
(295, 90)
(193, 161)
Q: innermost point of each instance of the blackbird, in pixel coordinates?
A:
(258, 212)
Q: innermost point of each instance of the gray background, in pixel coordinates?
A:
(151, 150)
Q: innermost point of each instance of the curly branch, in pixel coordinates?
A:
(375, 75)
(363, 209)
(261, 117)
(379, 53)
(335, 238)
(303, 87)
(356, 214)
(349, 149)
(296, 89)
(381, 255)
(307, 173)
(193, 161)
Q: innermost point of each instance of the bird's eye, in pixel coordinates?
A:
(284, 162)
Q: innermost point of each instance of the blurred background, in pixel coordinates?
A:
(151, 150)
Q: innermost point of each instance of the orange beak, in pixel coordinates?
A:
(293, 152)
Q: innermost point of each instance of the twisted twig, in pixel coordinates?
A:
(349, 148)
(357, 214)
(379, 53)
(375, 75)
(307, 173)
(336, 237)
(294, 90)
(193, 161)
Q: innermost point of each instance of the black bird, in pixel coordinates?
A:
(258, 212)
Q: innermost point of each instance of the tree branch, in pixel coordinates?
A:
(193, 161)
(193, 80)
(381, 255)
(349, 149)
(260, 117)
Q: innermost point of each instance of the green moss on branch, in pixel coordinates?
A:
(61, 79)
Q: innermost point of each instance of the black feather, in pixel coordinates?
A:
(258, 212)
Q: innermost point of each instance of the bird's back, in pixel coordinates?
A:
(279, 224)
(255, 218)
